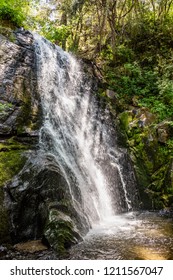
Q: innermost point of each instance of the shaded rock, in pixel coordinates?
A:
(61, 232)
(3, 251)
(19, 101)
(151, 159)
(31, 197)
(20, 113)
(4, 221)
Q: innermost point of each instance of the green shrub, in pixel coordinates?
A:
(14, 12)
(55, 34)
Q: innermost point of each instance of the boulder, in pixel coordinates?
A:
(39, 204)
(164, 131)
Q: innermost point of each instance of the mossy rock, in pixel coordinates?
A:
(6, 30)
(61, 232)
(11, 162)
(125, 118)
(151, 156)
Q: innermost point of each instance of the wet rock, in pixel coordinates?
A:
(31, 197)
(61, 232)
(20, 114)
(39, 188)
(4, 221)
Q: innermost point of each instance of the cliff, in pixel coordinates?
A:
(34, 197)
(19, 109)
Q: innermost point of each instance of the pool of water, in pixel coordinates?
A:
(131, 236)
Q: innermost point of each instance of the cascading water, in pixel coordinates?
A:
(79, 135)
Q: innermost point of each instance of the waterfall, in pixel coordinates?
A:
(79, 134)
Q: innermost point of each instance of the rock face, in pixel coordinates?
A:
(150, 145)
(37, 202)
(19, 102)
(19, 109)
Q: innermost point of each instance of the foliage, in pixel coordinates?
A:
(152, 87)
(14, 11)
(56, 34)
(5, 106)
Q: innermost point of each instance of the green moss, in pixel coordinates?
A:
(11, 159)
(12, 145)
(11, 162)
(25, 118)
(4, 106)
(6, 30)
(60, 232)
(125, 118)
(152, 163)
(151, 158)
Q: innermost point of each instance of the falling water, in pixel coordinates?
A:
(79, 135)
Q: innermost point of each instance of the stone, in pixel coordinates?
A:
(149, 143)
(31, 246)
(61, 232)
(33, 195)
(110, 93)
(3, 251)
(162, 135)
(164, 131)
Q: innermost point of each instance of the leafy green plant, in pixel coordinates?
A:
(14, 11)
(5, 106)
(56, 34)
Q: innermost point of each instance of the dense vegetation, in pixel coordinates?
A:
(130, 43)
